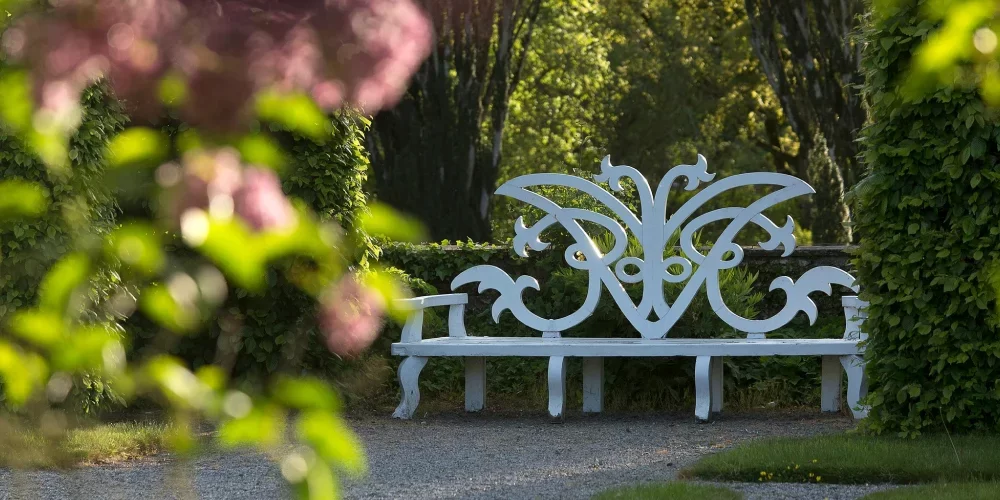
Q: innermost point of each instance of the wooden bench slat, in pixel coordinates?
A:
(581, 347)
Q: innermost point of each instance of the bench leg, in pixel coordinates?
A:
(831, 390)
(475, 383)
(409, 375)
(557, 387)
(593, 385)
(702, 387)
(716, 389)
(857, 384)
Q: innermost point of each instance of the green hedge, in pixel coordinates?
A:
(258, 334)
(82, 208)
(927, 213)
(632, 383)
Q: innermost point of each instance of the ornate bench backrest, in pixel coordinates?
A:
(653, 229)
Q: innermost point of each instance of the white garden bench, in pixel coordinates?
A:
(652, 317)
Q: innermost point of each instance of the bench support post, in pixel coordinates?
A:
(831, 389)
(557, 387)
(409, 375)
(702, 387)
(716, 368)
(593, 385)
(857, 384)
(475, 383)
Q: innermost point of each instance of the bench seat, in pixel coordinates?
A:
(623, 347)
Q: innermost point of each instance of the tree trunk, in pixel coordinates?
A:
(436, 155)
(810, 57)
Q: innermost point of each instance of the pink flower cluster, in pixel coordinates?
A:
(350, 317)
(360, 52)
(218, 183)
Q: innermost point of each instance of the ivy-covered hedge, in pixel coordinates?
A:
(632, 383)
(81, 208)
(927, 214)
(258, 334)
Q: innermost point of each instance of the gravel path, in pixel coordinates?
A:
(467, 456)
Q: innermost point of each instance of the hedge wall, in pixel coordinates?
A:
(632, 383)
(927, 213)
(257, 334)
(82, 208)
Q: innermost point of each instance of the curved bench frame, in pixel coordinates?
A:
(652, 317)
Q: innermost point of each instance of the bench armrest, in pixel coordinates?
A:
(855, 313)
(413, 329)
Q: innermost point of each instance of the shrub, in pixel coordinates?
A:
(279, 325)
(927, 214)
(81, 210)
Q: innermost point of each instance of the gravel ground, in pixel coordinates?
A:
(467, 456)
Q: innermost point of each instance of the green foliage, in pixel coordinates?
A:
(277, 325)
(830, 216)
(927, 213)
(856, 459)
(80, 210)
(632, 383)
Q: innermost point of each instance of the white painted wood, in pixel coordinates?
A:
(593, 385)
(456, 320)
(557, 387)
(702, 387)
(413, 329)
(652, 316)
(409, 375)
(857, 384)
(831, 384)
(447, 299)
(623, 347)
(717, 383)
(475, 384)
(855, 313)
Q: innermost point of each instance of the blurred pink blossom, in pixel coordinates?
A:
(217, 182)
(260, 201)
(359, 52)
(350, 317)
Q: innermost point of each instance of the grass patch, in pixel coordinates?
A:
(673, 491)
(856, 458)
(98, 444)
(943, 491)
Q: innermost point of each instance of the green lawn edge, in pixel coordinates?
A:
(941, 491)
(672, 490)
(855, 459)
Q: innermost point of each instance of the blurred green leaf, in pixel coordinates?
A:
(296, 112)
(332, 440)
(157, 303)
(16, 105)
(138, 246)
(84, 350)
(320, 483)
(176, 382)
(67, 275)
(260, 149)
(212, 376)
(262, 427)
(172, 90)
(21, 199)
(40, 327)
(382, 220)
(138, 146)
(22, 373)
(390, 288)
(305, 393)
